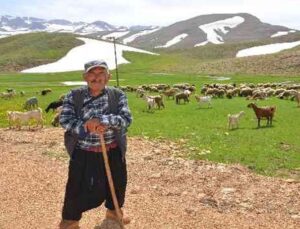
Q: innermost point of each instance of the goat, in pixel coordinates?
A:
(171, 92)
(140, 92)
(187, 92)
(158, 101)
(54, 105)
(181, 96)
(31, 103)
(263, 112)
(55, 120)
(17, 117)
(203, 99)
(233, 119)
(46, 91)
(150, 101)
(297, 97)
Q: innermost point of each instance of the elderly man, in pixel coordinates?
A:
(87, 186)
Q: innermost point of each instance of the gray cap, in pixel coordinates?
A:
(93, 64)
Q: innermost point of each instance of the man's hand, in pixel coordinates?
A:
(101, 129)
(91, 125)
(94, 126)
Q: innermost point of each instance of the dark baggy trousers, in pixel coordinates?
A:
(87, 186)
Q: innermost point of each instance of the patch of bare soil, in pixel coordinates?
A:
(163, 191)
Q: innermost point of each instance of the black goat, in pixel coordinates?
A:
(54, 105)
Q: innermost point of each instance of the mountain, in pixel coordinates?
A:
(194, 32)
(17, 25)
(213, 28)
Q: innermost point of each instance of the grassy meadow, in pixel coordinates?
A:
(273, 151)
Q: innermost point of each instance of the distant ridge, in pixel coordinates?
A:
(194, 32)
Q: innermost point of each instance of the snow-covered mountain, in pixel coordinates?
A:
(213, 28)
(197, 31)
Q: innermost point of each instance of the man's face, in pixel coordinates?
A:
(97, 78)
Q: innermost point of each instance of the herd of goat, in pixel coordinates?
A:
(155, 94)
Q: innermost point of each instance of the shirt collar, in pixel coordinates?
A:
(88, 94)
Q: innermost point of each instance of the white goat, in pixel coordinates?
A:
(150, 101)
(17, 118)
(297, 98)
(187, 92)
(233, 119)
(203, 99)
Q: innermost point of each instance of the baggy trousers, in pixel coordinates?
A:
(87, 186)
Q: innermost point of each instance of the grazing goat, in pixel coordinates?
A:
(150, 101)
(158, 100)
(203, 99)
(233, 119)
(171, 92)
(181, 96)
(55, 120)
(263, 112)
(46, 91)
(54, 105)
(297, 97)
(31, 103)
(17, 118)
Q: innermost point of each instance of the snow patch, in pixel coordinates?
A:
(91, 50)
(201, 44)
(174, 41)
(115, 35)
(267, 49)
(139, 34)
(80, 83)
(213, 29)
(283, 33)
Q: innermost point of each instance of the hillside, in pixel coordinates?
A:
(209, 29)
(220, 59)
(28, 50)
(163, 191)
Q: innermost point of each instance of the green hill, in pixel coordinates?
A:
(28, 50)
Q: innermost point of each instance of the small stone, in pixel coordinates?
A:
(296, 217)
(227, 190)
(156, 175)
(184, 193)
(148, 158)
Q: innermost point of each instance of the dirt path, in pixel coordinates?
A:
(163, 192)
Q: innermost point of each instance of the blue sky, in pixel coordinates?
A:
(152, 12)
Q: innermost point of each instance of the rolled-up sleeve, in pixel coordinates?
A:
(122, 119)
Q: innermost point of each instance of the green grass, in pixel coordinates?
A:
(29, 50)
(270, 151)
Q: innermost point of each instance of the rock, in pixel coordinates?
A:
(227, 190)
(148, 158)
(291, 181)
(245, 205)
(184, 193)
(209, 201)
(156, 175)
(296, 217)
(190, 211)
(201, 195)
(135, 190)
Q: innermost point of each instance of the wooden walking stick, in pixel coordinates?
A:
(110, 181)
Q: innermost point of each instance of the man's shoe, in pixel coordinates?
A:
(69, 224)
(111, 214)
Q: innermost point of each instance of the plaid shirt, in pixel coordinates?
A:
(98, 108)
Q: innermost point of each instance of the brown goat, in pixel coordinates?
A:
(180, 96)
(263, 112)
(158, 101)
